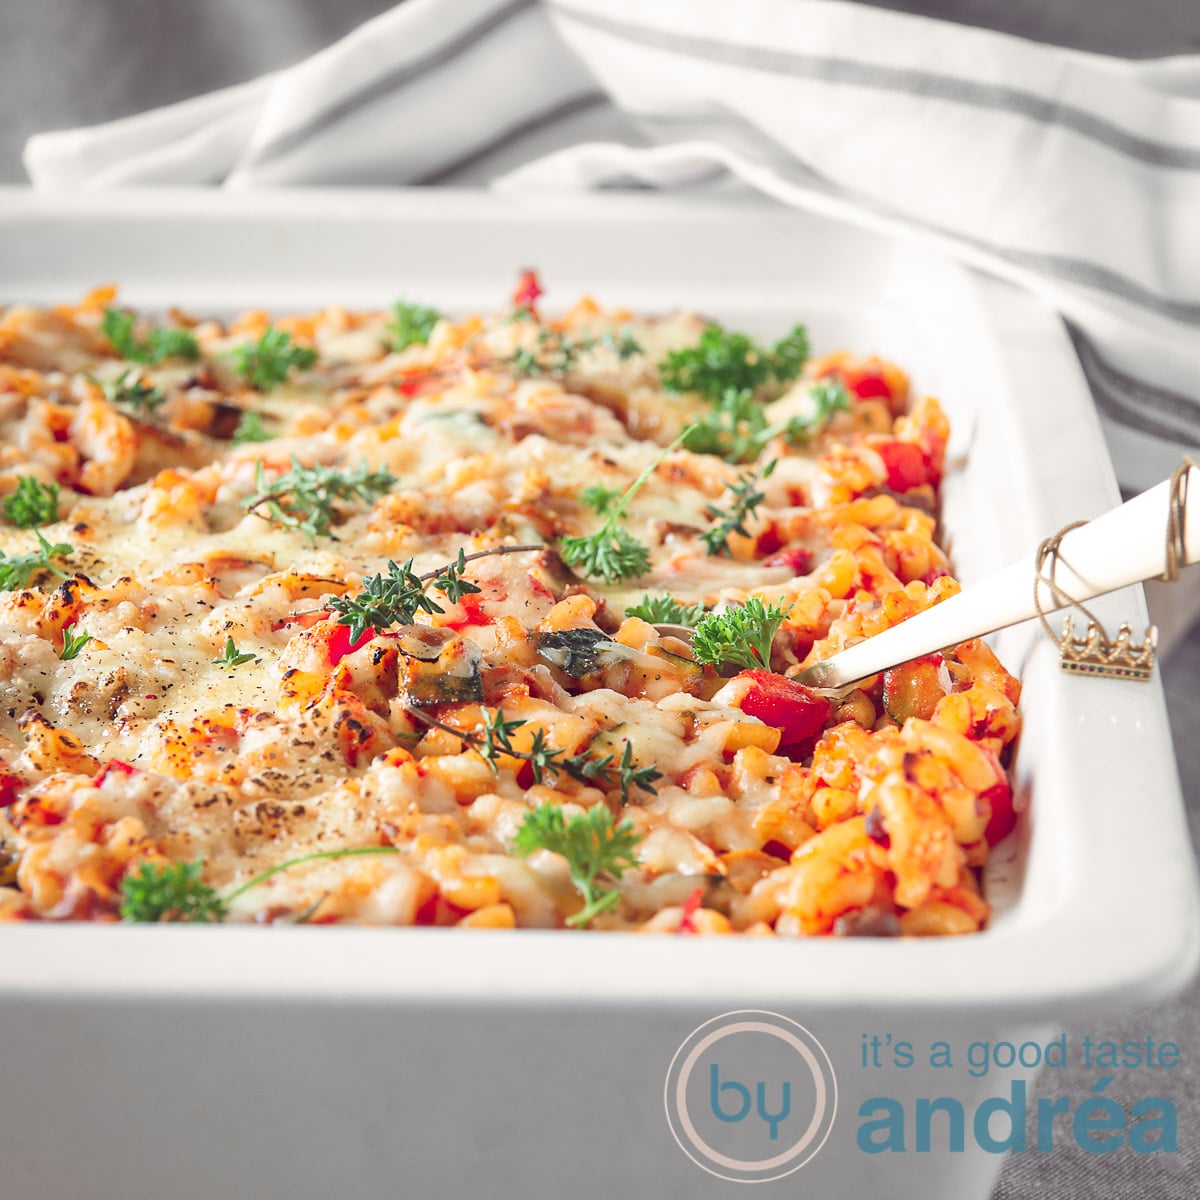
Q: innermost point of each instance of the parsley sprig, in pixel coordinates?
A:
(170, 892)
(612, 552)
(746, 499)
(160, 342)
(395, 596)
(739, 636)
(724, 361)
(19, 570)
(266, 364)
(665, 610)
(32, 503)
(411, 324)
(305, 498)
(595, 849)
(250, 428)
(73, 642)
(175, 891)
(736, 427)
(493, 738)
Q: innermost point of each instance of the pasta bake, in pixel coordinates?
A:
(398, 618)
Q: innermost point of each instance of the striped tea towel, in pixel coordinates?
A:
(1074, 175)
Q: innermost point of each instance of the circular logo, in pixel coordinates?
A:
(750, 1096)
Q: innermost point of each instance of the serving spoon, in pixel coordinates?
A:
(1122, 547)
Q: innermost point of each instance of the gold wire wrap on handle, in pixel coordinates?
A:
(1049, 555)
(1096, 653)
(1176, 518)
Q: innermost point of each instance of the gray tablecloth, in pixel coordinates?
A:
(73, 62)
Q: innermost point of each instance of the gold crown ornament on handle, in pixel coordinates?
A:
(1082, 561)
(1116, 658)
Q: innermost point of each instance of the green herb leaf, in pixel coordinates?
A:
(250, 428)
(665, 610)
(595, 851)
(304, 498)
(830, 397)
(266, 364)
(174, 892)
(497, 737)
(735, 429)
(746, 499)
(790, 354)
(232, 656)
(630, 776)
(452, 583)
(73, 642)
(161, 341)
(132, 393)
(612, 552)
(600, 499)
(739, 636)
(33, 503)
(392, 598)
(556, 353)
(18, 570)
(724, 361)
(411, 324)
(622, 343)
(169, 892)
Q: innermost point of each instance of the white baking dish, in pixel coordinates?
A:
(300, 1062)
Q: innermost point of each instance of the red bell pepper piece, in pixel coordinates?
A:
(796, 712)
(113, 764)
(687, 919)
(798, 560)
(1003, 819)
(340, 644)
(527, 292)
(10, 785)
(907, 465)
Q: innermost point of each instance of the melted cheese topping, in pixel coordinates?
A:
(150, 746)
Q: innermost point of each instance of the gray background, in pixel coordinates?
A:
(76, 62)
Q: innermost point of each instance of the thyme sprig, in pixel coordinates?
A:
(745, 502)
(395, 596)
(556, 353)
(493, 738)
(131, 392)
(305, 498)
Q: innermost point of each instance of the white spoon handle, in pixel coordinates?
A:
(1121, 547)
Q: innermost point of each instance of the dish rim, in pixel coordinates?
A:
(1092, 949)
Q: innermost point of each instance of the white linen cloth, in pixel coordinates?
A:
(1075, 175)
